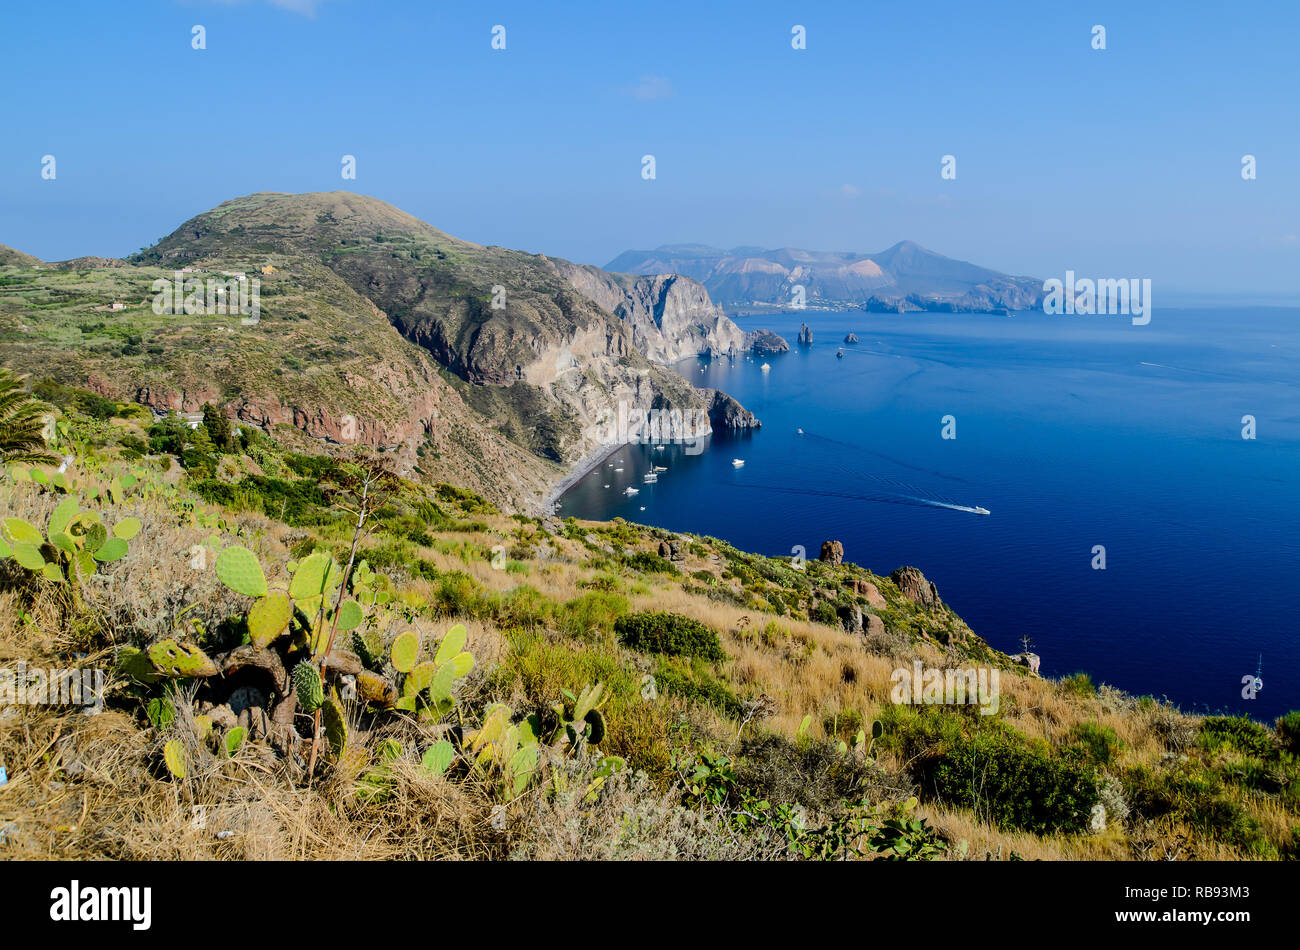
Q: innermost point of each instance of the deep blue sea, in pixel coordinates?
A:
(1074, 432)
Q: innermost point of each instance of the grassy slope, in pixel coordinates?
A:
(318, 348)
(544, 621)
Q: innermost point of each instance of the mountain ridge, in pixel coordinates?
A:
(903, 277)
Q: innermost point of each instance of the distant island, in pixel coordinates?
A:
(904, 278)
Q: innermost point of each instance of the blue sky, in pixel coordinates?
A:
(1123, 162)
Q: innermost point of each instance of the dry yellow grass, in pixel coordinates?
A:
(90, 786)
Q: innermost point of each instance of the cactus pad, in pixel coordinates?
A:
(180, 659)
(336, 726)
(307, 684)
(268, 618)
(405, 649)
(439, 757)
(174, 756)
(238, 569)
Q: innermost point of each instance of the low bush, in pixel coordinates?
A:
(670, 634)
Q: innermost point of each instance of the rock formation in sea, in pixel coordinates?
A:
(850, 338)
(805, 333)
(726, 413)
(765, 343)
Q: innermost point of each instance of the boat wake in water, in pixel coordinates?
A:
(976, 510)
(889, 489)
(887, 498)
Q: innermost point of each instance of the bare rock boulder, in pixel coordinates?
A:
(832, 552)
(913, 585)
(1028, 660)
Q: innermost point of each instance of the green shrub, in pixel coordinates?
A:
(843, 725)
(1288, 730)
(649, 563)
(1238, 734)
(460, 595)
(316, 467)
(596, 610)
(825, 613)
(524, 608)
(698, 686)
(1080, 684)
(1093, 743)
(670, 634)
(299, 502)
(1013, 781)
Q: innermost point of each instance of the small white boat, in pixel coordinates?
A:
(631, 491)
(800, 431)
(738, 463)
(618, 470)
(981, 511)
(765, 367)
(643, 507)
(659, 448)
(606, 486)
(651, 478)
(661, 468)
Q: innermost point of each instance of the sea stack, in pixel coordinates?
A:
(850, 338)
(805, 333)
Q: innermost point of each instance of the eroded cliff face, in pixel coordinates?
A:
(670, 317)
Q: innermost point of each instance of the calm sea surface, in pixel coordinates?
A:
(1074, 432)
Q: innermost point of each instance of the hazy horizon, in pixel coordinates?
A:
(1133, 167)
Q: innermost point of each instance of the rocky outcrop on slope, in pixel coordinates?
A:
(913, 585)
(832, 552)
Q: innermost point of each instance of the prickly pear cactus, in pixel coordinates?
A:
(172, 658)
(269, 618)
(307, 684)
(404, 651)
(336, 726)
(234, 739)
(595, 726)
(238, 569)
(439, 757)
(174, 757)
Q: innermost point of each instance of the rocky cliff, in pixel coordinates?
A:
(671, 317)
